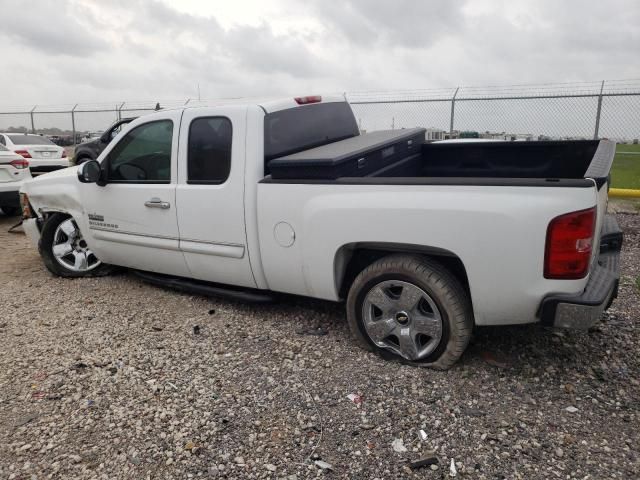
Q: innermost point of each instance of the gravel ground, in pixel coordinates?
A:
(105, 378)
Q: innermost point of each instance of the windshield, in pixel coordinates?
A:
(301, 128)
(23, 139)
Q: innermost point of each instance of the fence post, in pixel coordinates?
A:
(597, 131)
(453, 110)
(33, 126)
(73, 123)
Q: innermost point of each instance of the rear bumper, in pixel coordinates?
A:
(41, 165)
(46, 168)
(9, 196)
(583, 310)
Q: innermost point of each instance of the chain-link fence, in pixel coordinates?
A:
(604, 109)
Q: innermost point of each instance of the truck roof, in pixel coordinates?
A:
(268, 104)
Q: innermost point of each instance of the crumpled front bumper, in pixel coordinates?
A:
(31, 228)
(583, 310)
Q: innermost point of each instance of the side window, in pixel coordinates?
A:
(2, 141)
(209, 155)
(143, 155)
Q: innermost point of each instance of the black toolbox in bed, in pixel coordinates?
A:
(354, 157)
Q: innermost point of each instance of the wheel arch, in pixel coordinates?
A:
(48, 212)
(352, 258)
(81, 158)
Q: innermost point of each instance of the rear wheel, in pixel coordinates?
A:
(65, 251)
(10, 211)
(411, 308)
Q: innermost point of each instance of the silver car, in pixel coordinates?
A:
(43, 155)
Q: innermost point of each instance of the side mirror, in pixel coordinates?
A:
(105, 137)
(89, 172)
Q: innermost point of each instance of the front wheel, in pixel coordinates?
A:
(65, 251)
(411, 308)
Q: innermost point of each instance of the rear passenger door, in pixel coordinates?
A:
(210, 195)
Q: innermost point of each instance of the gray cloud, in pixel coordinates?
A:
(95, 51)
(405, 23)
(49, 28)
(258, 49)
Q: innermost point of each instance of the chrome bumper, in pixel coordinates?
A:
(583, 310)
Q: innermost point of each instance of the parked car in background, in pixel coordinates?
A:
(14, 169)
(43, 155)
(91, 149)
(422, 240)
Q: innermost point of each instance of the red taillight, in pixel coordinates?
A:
(20, 164)
(309, 99)
(24, 153)
(569, 243)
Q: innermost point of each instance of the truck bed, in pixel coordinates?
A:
(545, 159)
(483, 162)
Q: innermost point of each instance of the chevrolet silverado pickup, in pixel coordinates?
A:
(423, 241)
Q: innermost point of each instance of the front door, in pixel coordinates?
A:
(210, 195)
(132, 219)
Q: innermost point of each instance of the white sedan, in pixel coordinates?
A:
(14, 170)
(43, 155)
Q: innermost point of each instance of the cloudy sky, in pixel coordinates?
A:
(68, 51)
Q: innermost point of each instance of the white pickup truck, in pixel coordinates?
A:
(422, 249)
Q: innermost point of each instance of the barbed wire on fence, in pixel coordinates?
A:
(598, 109)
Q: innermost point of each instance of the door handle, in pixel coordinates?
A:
(155, 202)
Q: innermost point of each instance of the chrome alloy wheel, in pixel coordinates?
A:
(403, 318)
(71, 250)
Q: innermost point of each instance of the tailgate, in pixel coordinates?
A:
(598, 171)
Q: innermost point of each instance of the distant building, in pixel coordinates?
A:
(434, 134)
(510, 137)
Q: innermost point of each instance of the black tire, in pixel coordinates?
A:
(10, 211)
(45, 246)
(439, 283)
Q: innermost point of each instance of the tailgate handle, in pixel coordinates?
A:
(155, 202)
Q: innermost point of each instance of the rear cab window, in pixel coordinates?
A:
(301, 128)
(209, 152)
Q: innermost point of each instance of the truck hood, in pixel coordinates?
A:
(54, 191)
(55, 176)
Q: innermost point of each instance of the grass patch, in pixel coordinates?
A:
(625, 172)
(638, 283)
